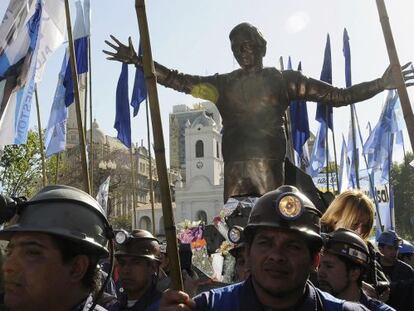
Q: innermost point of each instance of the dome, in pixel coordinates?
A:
(203, 120)
(98, 136)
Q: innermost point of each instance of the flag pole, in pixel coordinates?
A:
(85, 172)
(42, 152)
(134, 197)
(150, 171)
(327, 149)
(396, 70)
(159, 149)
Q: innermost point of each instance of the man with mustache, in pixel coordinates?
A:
(138, 259)
(283, 242)
(54, 246)
(344, 261)
(252, 101)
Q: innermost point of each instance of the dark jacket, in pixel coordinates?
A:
(242, 297)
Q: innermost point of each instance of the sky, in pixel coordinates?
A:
(192, 37)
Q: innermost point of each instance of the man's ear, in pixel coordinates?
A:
(315, 262)
(355, 273)
(79, 266)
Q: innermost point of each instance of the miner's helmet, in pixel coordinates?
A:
(286, 208)
(406, 248)
(66, 212)
(346, 243)
(138, 243)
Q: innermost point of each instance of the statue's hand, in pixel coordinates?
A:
(123, 53)
(408, 75)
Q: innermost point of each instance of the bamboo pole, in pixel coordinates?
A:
(134, 198)
(150, 171)
(42, 151)
(91, 156)
(85, 172)
(396, 70)
(57, 168)
(159, 149)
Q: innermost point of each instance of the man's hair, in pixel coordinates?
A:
(348, 208)
(69, 249)
(252, 30)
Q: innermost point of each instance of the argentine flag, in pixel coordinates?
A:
(55, 136)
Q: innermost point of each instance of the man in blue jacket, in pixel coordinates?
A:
(282, 247)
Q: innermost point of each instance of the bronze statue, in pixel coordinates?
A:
(252, 102)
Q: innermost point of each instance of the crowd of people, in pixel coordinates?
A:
(60, 246)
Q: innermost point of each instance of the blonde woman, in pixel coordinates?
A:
(351, 209)
(354, 210)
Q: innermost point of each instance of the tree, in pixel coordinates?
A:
(403, 182)
(121, 222)
(20, 168)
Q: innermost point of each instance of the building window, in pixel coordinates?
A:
(217, 150)
(161, 230)
(145, 223)
(199, 149)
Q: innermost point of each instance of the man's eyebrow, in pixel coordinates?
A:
(26, 244)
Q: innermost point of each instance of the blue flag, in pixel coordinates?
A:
(139, 93)
(324, 112)
(122, 116)
(299, 123)
(347, 54)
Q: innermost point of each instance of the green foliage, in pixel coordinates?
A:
(20, 168)
(121, 222)
(403, 181)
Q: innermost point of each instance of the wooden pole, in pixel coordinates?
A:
(150, 170)
(159, 149)
(396, 70)
(91, 155)
(85, 172)
(57, 168)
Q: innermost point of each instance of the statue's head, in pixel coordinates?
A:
(248, 45)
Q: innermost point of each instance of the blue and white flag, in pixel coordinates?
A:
(103, 193)
(379, 144)
(29, 33)
(55, 136)
(318, 156)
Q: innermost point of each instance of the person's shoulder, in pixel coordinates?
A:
(404, 266)
(332, 303)
(225, 296)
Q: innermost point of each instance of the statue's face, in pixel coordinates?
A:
(246, 50)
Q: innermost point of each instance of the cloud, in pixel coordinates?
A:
(297, 22)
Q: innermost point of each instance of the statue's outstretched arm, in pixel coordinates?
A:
(301, 87)
(198, 86)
